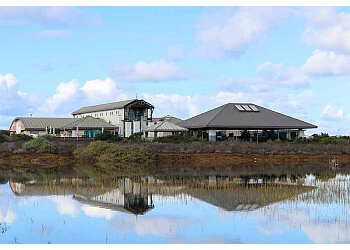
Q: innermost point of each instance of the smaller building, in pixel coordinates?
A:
(163, 129)
(60, 127)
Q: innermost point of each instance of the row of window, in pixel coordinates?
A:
(101, 114)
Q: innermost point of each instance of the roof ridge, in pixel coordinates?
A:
(224, 106)
(107, 103)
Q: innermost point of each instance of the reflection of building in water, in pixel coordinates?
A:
(17, 188)
(127, 197)
(245, 193)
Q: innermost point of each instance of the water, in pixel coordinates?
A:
(85, 204)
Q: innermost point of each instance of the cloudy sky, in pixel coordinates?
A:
(184, 60)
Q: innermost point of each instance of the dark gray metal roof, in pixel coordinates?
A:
(88, 123)
(165, 126)
(107, 106)
(229, 117)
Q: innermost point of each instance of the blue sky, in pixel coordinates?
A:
(184, 60)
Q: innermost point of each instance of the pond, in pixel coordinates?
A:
(85, 204)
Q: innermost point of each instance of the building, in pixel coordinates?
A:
(130, 116)
(60, 127)
(155, 121)
(162, 129)
(245, 120)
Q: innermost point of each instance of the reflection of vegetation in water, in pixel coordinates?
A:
(104, 171)
(3, 180)
(336, 190)
(43, 175)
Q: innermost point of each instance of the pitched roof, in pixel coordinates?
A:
(40, 123)
(107, 106)
(165, 126)
(169, 118)
(88, 123)
(172, 119)
(228, 116)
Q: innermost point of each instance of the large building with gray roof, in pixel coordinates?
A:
(233, 119)
(130, 116)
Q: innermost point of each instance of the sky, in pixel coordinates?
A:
(183, 60)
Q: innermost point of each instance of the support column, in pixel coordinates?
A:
(212, 135)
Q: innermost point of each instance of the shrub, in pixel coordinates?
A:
(19, 137)
(186, 137)
(329, 140)
(111, 153)
(107, 136)
(2, 139)
(5, 132)
(137, 137)
(41, 145)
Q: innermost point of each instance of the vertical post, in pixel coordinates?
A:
(77, 133)
(257, 136)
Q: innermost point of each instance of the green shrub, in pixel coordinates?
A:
(107, 136)
(113, 154)
(19, 137)
(329, 140)
(2, 139)
(5, 132)
(186, 137)
(41, 145)
(136, 137)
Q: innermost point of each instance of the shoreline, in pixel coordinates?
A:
(28, 160)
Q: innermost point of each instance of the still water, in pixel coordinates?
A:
(85, 204)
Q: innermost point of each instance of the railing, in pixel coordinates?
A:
(73, 138)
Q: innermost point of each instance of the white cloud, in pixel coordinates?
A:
(334, 121)
(177, 52)
(327, 63)
(331, 111)
(47, 16)
(176, 105)
(65, 92)
(98, 212)
(327, 29)
(70, 96)
(155, 71)
(13, 102)
(99, 88)
(8, 81)
(279, 75)
(226, 34)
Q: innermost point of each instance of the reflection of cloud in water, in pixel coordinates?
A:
(8, 204)
(66, 205)
(98, 212)
(153, 225)
(7, 216)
